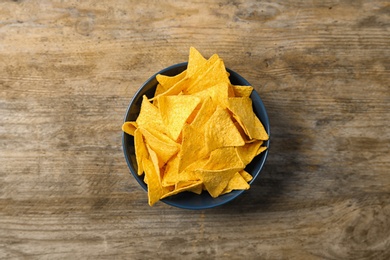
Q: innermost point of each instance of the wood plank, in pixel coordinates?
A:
(68, 70)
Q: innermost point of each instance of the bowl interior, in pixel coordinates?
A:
(190, 200)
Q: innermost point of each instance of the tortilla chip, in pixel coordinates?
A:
(167, 81)
(220, 131)
(164, 147)
(247, 177)
(237, 182)
(129, 127)
(248, 151)
(149, 117)
(192, 186)
(242, 91)
(175, 110)
(191, 148)
(141, 151)
(222, 158)
(243, 112)
(215, 181)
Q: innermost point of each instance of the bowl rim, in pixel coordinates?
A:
(232, 195)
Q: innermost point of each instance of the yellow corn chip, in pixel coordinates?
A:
(129, 127)
(185, 186)
(205, 112)
(247, 177)
(167, 81)
(242, 91)
(191, 148)
(149, 117)
(218, 93)
(248, 151)
(215, 74)
(155, 190)
(164, 147)
(243, 112)
(175, 110)
(221, 131)
(154, 158)
(222, 158)
(141, 151)
(195, 62)
(237, 182)
(215, 181)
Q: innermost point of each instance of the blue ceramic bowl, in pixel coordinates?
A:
(188, 200)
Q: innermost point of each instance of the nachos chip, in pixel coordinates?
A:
(197, 133)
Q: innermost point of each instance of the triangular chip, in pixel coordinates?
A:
(129, 127)
(155, 160)
(171, 172)
(247, 177)
(155, 190)
(205, 112)
(168, 81)
(214, 75)
(221, 131)
(184, 186)
(191, 148)
(149, 117)
(164, 147)
(175, 111)
(218, 93)
(222, 158)
(249, 151)
(195, 62)
(242, 91)
(237, 182)
(215, 181)
(261, 149)
(141, 151)
(243, 112)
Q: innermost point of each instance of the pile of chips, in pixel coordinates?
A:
(197, 133)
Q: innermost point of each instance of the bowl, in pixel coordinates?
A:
(188, 200)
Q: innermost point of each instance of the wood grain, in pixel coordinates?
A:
(68, 70)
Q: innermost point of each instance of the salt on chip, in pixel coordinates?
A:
(175, 111)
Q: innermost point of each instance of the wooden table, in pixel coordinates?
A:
(68, 70)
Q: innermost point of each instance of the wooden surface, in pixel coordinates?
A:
(68, 70)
